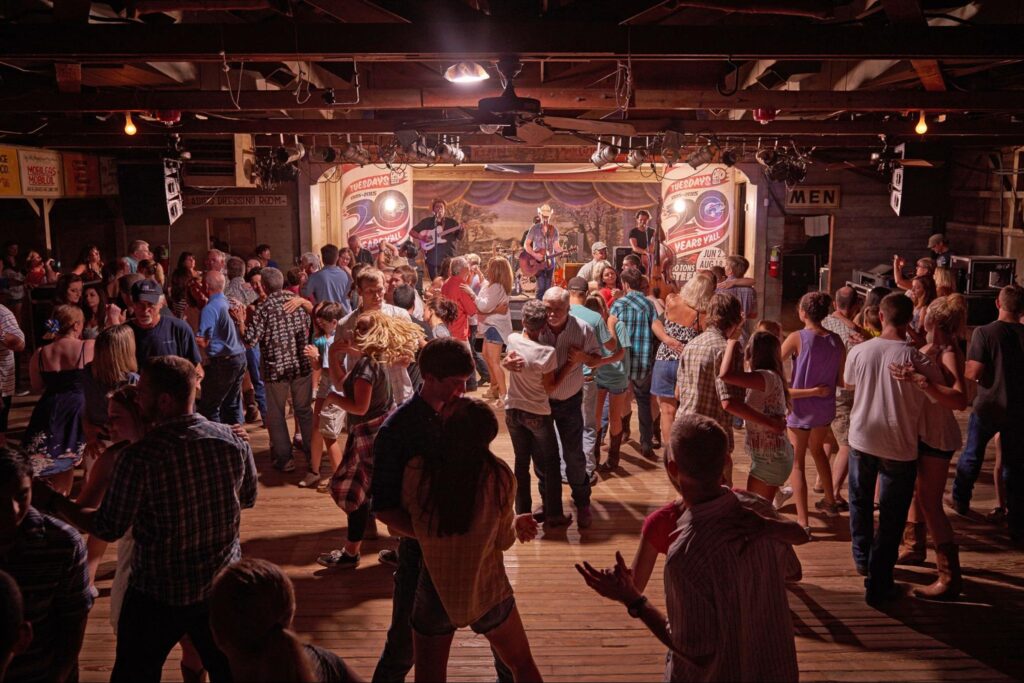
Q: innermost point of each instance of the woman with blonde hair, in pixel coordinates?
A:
(945, 283)
(682, 322)
(252, 606)
(495, 321)
(939, 438)
(113, 365)
(54, 436)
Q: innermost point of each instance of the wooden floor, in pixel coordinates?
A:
(575, 635)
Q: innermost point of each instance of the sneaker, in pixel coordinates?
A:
(388, 557)
(538, 515)
(324, 486)
(297, 441)
(309, 481)
(997, 516)
(338, 559)
(782, 495)
(288, 466)
(584, 518)
(594, 479)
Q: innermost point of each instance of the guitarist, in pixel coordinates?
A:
(540, 243)
(437, 235)
(641, 239)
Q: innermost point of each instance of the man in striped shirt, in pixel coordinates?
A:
(728, 614)
(575, 345)
(637, 313)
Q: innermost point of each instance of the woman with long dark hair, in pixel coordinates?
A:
(89, 265)
(460, 510)
(181, 279)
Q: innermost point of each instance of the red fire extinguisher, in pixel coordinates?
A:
(775, 261)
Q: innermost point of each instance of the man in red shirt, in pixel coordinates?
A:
(458, 290)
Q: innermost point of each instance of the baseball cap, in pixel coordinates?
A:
(578, 284)
(936, 239)
(146, 290)
(598, 246)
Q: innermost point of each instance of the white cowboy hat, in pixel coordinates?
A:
(545, 211)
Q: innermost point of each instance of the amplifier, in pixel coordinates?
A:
(879, 276)
(983, 274)
(981, 309)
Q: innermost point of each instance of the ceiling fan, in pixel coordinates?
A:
(518, 119)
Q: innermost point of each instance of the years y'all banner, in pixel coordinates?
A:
(697, 215)
(376, 204)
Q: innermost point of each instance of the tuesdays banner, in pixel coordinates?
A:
(697, 216)
(376, 204)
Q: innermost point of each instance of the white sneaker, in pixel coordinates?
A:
(782, 495)
(309, 481)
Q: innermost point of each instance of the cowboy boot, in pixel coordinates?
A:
(914, 547)
(625, 426)
(613, 453)
(596, 453)
(656, 431)
(950, 581)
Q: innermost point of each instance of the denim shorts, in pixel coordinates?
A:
(614, 391)
(773, 470)
(663, 378)
(493, 335)
(429, 617)
(332, 421)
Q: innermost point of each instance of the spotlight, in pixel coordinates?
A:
(703, 155)
(764, 116)
(355, 153)
(289, 154)
(449, 153)
(605, 154)
(729, 157)
(670, 155)
(636, 157)
(328, 97)
(466, 72)
(922, 126)
(129, 125)
(326, 155)
(489, 128)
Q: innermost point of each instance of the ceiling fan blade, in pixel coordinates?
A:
(534, 133)
(590, 126)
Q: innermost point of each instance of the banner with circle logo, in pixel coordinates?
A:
(697, 215)
(377, 204)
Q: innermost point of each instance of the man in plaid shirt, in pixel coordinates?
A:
(698, 386)
(281, 329)
(181, 490)
(637, 313)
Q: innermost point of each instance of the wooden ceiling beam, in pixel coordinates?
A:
(551, 98)
(909, 13)
(283, 41)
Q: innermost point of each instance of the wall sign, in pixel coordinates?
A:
(813, 197)
(81, 175)
(108, 176)
(10, 178)
(377, 204)
(697, 215)
(272, 201)
(40, 173)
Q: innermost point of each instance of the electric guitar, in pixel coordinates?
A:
(433, 235)
(530, 266)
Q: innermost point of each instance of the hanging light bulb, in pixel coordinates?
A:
(129, 125)
(922, 126)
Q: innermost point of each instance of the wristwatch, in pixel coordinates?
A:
(633, 608)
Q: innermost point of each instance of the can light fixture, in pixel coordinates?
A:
(466, 72)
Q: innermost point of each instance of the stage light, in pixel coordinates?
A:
(922, 126)
(289, 154)
(129, 125)
(670, 155)
(678, 205)
(355, 153)
(466, 72)
(489, 128)
(729, 157)
(328, 97)
(605, 154)
(636, 157)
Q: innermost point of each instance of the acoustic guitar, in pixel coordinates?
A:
(530, 266)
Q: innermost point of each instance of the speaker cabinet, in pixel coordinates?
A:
(150, 192)
(915, 189)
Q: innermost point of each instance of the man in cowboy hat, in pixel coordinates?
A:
(541, 242)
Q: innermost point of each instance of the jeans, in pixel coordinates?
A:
(397, 657)
(147, 630)
(878, 552)
(642, 392)
(568, 417)
(968, 467)
(301, 390)
(357, 522)
(544, 279)
(478, 360)
(533, 438)
(221, 399)
(252, 360)
(589, 424)
(433, 268)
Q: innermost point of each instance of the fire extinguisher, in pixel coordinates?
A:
(775, 261)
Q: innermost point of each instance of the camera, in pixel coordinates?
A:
(54, 264)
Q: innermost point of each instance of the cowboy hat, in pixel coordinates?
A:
(545, 211)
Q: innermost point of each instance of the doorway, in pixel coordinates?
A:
(239, 234)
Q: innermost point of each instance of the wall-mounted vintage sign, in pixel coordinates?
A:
(10, 176)
(81, 175)
(812, 197)
(40, 173)
(236, 200)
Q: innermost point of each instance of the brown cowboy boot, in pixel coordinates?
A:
(950, 581)
(613, 453)
(914, 547)
(625, 426)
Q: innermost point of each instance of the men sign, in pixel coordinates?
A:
(812, 197)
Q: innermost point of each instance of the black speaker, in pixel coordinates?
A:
(150, 192)
(916, 189)
(981, 309)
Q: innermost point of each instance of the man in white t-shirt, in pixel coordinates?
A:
(533, 375)
(883, 441)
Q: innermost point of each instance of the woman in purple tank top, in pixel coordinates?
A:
(817, 370)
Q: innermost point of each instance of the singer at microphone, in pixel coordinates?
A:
(437, 236)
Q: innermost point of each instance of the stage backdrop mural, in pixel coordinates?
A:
(377, 204)
(697, 214)
(497, 213)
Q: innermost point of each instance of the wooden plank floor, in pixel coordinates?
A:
(575, 635)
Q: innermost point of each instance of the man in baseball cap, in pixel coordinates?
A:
(159, 335)
(592, 269)
(939, 248)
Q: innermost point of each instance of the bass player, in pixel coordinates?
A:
(437, 235)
